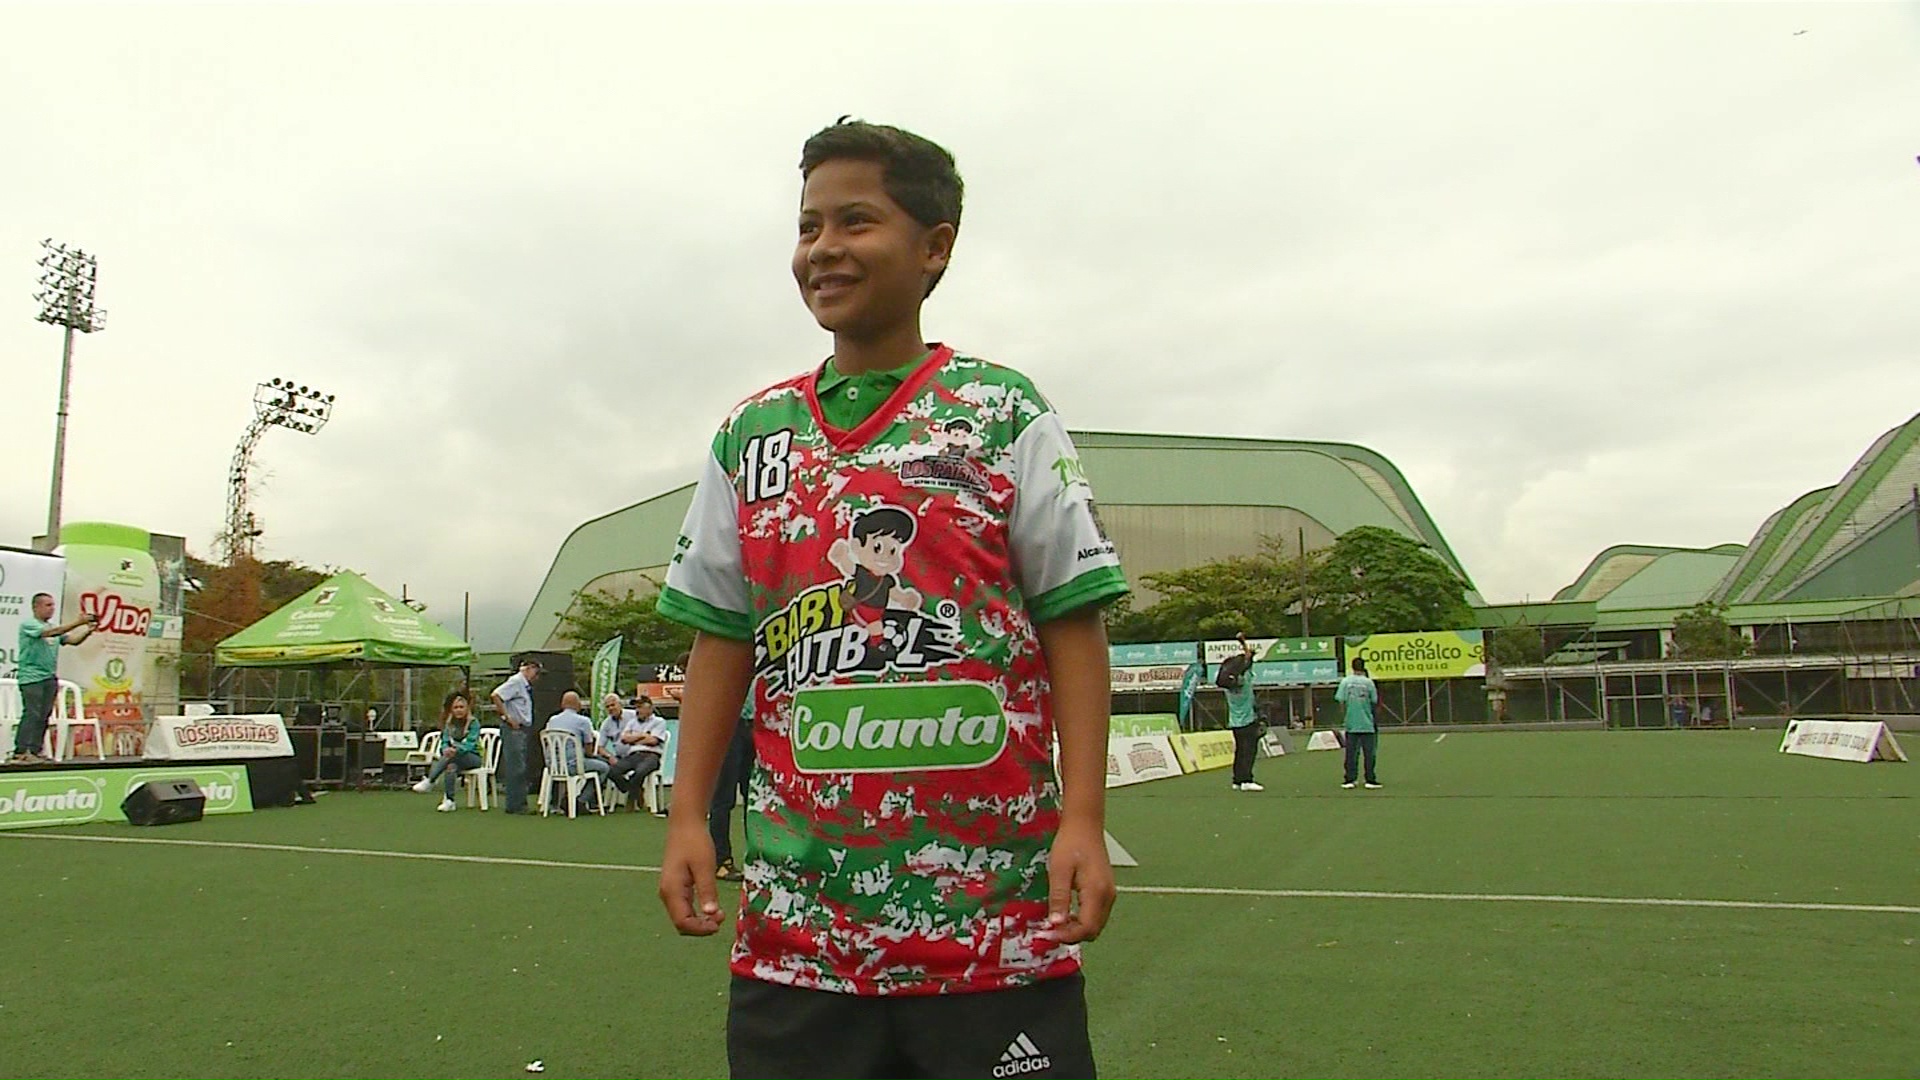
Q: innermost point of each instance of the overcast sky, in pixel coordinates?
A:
(1588, 274)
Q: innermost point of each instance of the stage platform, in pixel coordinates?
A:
(84, 790)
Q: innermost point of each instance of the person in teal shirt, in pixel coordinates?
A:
(1241, 716)
(39, 648)
(1358, 693)
(459, 749)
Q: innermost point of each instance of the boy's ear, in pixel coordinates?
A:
(939, 246)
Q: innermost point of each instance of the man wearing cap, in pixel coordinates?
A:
(514, 700)
(636, 739)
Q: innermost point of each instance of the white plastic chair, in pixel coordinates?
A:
(128, 741)
(566, 767)
(69, 715)
(427, 753)
(10, 709)
(480, 782)
(657, 791)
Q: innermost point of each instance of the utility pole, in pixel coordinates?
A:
(1305, 623)
(67, 279)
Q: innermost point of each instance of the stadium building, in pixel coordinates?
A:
(1168, 501)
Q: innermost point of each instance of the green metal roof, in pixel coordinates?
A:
(1766, 543)
(1883, 561)
(1547, 613)
(1674, 578)
(1860, 488)
(1338, 485)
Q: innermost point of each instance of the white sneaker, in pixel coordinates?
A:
(447, 806)
(1373, 787)
(1348, 785)
(1235, 787)
(423, 786)
(1251, 786)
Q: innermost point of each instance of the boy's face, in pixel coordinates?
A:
(879, 554)
(862, 262)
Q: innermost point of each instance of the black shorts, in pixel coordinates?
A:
(781, 1031)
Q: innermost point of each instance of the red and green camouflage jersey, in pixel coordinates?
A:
(890, 578)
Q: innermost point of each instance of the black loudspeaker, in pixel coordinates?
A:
(165, 802)
(277, 782)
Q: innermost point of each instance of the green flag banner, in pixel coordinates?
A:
(606, 663)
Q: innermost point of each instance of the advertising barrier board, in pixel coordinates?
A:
(1842, 740)
(31, 799)
(1202, 750)
(218, 738)
(1137, 759)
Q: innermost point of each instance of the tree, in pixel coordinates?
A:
(1703, 633)
(1519, 645)
(649, 637)
(1376, 581)
(233, 596)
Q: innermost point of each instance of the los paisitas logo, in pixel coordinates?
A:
(116, 615)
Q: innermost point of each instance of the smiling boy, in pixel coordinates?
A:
(918, 617)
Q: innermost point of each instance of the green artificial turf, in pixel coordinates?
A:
(157, 960)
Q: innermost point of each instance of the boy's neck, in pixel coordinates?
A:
(895, 349)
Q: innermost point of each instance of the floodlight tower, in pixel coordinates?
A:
(278, 403)
(67, 279)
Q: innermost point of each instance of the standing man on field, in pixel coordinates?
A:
(1360, 695)
(918, 879)
(39, 649)
(1242, 718)
(514, 700)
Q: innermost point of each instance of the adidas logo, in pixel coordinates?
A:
(1021, 1057)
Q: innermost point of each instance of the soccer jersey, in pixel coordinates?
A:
(889, 579)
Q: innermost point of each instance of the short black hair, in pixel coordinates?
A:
(642, 700)
(884, 521)
(916, 172)
(39, 596)
(1359, 665)
(958, 423)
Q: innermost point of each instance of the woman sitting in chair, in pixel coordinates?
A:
(459, 748)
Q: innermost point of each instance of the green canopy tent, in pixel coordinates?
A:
(344, 618)
(344, 622)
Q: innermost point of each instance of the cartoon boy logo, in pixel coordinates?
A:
(870, 558)
(956, 438)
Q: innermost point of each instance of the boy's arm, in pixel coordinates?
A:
(718, 674)
(1075, 646)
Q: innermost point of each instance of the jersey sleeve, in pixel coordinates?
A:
(1062, 559)
(706, 587)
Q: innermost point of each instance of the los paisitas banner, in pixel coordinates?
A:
(31, 799)
(1430, 654)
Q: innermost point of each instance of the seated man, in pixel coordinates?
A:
(636, 739)
(569, 719)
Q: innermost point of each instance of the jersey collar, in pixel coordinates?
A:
(883, 416)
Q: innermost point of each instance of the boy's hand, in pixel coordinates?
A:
(1078, 867)
(686, 882)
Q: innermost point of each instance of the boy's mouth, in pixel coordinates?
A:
(829, 285)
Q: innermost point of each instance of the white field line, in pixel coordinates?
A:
(1442, 738)
(1149, 890)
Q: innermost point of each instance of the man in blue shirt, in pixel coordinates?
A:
(572, 721)
(636, 738)
(1358, 693)
(39, 648)
(514, 700)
